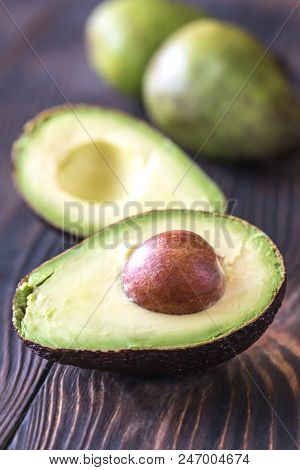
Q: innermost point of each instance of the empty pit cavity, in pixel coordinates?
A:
(99, 171)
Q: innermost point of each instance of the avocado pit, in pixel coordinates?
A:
(175, 273)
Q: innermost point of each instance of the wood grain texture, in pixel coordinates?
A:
(24, 242)
(250, 402)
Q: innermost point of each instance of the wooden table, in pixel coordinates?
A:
(244, 404)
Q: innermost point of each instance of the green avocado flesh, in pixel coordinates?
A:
(216, 90)
(76, 300)
(122, 35)
(85, 167)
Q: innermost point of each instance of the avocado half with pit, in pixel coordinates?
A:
(82, 168)
(161, 292)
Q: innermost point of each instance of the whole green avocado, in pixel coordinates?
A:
(122, 35)
(216, 90)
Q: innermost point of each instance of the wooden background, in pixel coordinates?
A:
(240, 405)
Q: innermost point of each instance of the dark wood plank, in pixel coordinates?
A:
(32, 18)
(229, 407)
(223, 409)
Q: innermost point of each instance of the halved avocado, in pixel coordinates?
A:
(73, 308)
(82, 168)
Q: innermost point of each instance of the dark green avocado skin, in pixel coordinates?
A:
(171, 361)
(217, 91)
(128, 33)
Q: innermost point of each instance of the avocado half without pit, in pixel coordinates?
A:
(161, 292)
(82, 168)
